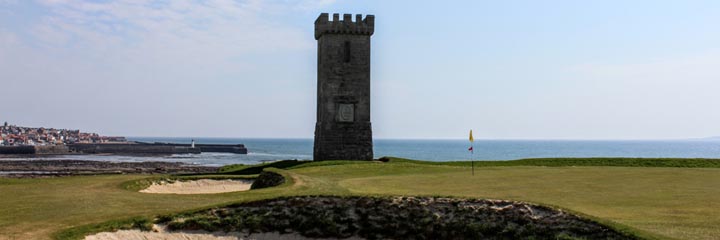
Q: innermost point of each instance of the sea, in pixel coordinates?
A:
(265, 150)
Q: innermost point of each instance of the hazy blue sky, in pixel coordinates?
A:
(507, 69)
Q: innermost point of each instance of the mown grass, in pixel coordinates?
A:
(673, 202)
(546, 162)
(37, 208)
(645, 196)
(241, 169)
(567, 162)
(145, 222)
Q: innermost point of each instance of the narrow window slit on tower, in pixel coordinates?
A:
(347, 51)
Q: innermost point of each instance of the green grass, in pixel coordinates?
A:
(546, 162)
(674, 202)
(142, 223)
(644, 196)
(566, 162)
(37, 208)
(241, 169)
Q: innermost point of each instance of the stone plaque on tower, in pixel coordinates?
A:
(343, 130)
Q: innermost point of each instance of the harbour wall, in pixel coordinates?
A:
(56, 149)
(239, 149)
(124, 148)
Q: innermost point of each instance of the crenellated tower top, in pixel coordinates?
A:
(359, 27)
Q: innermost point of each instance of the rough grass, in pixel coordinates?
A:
(652, 200)
(396, 218)
(141, 223)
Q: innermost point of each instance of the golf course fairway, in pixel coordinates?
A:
(652, 202)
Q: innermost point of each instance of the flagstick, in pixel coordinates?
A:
(472, 152)
(472, 159)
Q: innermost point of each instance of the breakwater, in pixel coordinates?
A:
(222, 148)
(156, 148)
(131, 148)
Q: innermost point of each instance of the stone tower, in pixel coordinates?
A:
(343, 130)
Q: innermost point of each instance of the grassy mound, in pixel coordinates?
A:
(268, 179)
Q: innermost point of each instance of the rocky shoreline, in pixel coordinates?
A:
(62, 167)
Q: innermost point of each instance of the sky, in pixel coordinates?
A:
(611, 69)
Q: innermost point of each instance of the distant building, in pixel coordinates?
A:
(17, 135)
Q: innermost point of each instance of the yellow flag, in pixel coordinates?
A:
(471, 138)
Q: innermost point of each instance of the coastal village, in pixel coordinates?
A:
(51, 141)
(11, 135)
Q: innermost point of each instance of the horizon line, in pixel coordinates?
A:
(458, 139)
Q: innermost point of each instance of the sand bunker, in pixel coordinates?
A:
(161, 233)
(202, 186)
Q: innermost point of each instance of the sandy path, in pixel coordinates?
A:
(202, 186)
(161, 233)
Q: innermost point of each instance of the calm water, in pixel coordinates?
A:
(434, 150)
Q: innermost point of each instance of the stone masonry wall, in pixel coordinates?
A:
(343, 130)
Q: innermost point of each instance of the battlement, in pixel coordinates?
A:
(360, 26)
